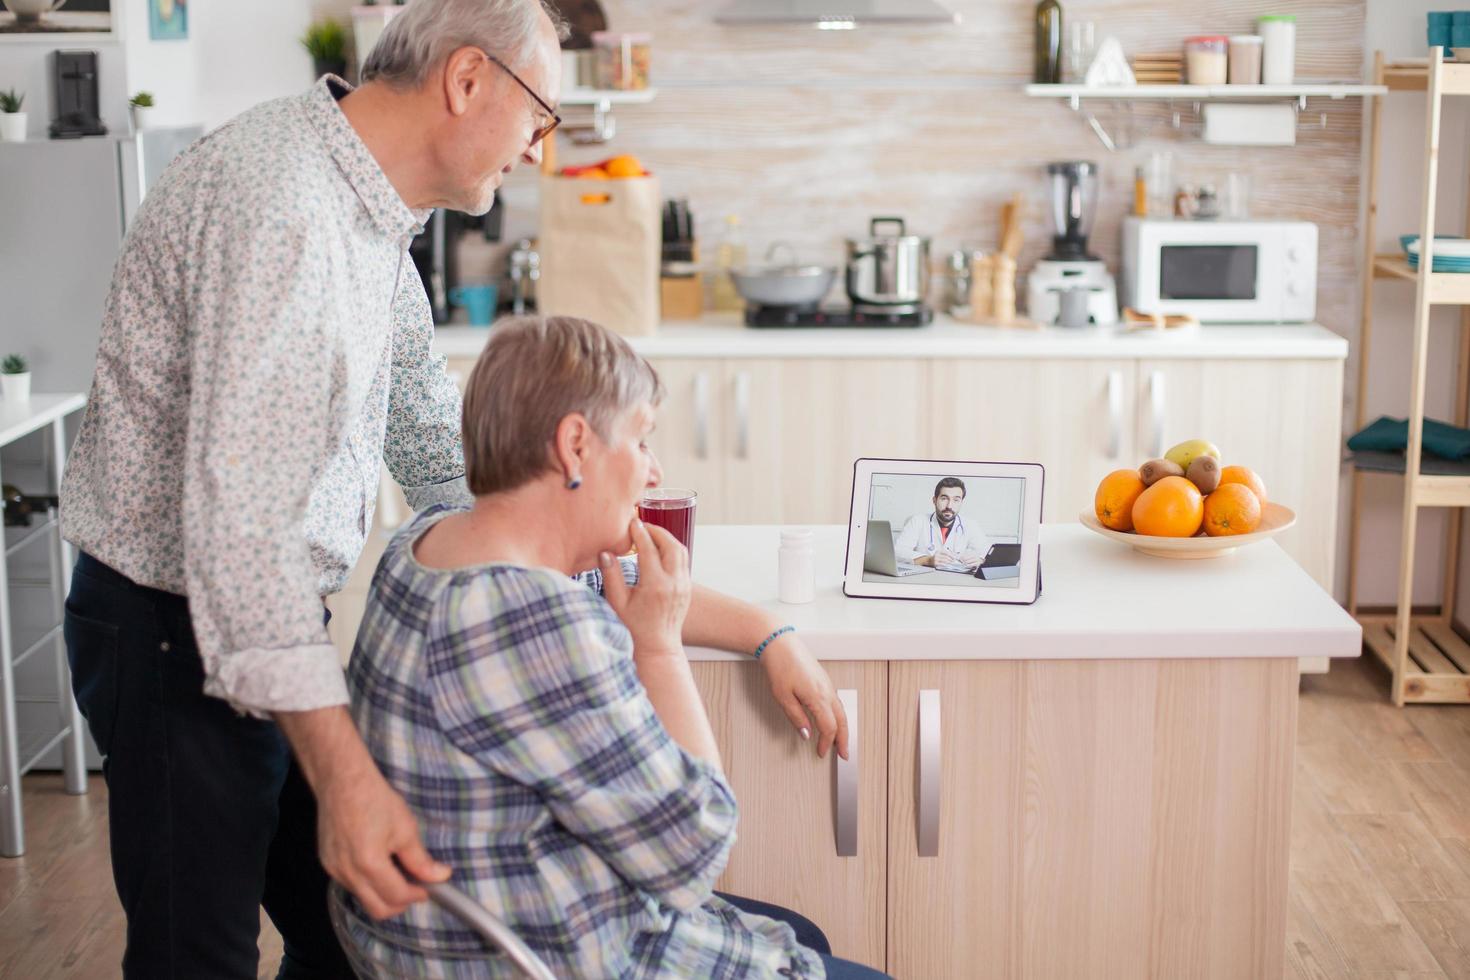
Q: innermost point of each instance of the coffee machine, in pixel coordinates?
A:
(1070, 266)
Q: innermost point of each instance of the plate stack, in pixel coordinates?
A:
(1158, 69)
(1451, 253)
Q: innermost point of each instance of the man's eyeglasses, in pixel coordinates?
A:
(544, 130)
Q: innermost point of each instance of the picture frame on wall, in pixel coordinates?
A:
(52, 20)
(168, 20)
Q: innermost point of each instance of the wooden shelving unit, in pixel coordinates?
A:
(1429, 660)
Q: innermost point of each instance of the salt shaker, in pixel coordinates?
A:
(796, 572)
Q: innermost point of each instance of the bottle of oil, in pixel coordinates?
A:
(1048, 43)
(729, 255)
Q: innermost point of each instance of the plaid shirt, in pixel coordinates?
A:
(502, 702)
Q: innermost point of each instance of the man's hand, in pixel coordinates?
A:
(362, 827)
(362, 824)
(926, 560)
(801, 686)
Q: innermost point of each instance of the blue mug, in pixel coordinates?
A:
(1441, 29)
(479, 301)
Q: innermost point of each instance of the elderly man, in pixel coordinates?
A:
(265, 349)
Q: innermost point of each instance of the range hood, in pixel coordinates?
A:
(836, 14)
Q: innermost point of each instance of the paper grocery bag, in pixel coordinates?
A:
(601, 243)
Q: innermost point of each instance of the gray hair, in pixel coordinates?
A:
(428, 31)
(534, 372)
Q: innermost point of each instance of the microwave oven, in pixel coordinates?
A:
(1221, 271)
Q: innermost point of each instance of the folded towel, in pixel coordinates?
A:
(1389, 435)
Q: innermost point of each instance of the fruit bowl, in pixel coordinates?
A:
(1274, 519)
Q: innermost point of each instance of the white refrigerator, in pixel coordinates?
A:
(64, 206)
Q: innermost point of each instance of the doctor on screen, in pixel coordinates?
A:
(941, 539)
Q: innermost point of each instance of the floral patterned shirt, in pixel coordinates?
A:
(264, 350)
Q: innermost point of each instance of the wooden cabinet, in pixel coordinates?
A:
(1283, 419)
(689, 438)
(788, 847)
(773, 441)
(1075, 417)
(796, 426)
(1100, 819)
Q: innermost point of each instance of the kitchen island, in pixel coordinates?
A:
(1097, 785)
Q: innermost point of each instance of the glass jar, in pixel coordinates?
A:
(1205, 60)
(622, 60)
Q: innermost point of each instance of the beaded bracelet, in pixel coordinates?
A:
(772, 639)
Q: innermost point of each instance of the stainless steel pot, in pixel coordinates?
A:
(888, 270)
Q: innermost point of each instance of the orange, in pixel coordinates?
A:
(626, 165)
(1171, 508)
(596, 173)
(1115, 497)
(1232, 509)
(1246, 476)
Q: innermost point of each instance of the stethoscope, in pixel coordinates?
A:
(957, 526)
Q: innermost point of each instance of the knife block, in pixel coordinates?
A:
(681, 297)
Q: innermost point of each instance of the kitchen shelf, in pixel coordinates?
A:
(1393, 267)
(1373, 461)
(1427, 659)
(21, 640)
(1205, 93)
(1445, 288)
(611, 97)
(1437, 668)
(603, 127)
(17, 538)
(1078, 97)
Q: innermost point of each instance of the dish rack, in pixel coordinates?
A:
(1428, 659)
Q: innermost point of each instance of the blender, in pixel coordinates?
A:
(1070, 269)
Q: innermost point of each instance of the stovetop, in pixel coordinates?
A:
(836, 316)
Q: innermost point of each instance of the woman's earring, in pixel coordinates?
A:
(574, 483)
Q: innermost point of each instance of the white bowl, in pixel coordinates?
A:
(1446, 248)
(1274, 519)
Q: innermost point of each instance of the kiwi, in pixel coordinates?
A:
(1156, 469)
(1204, 473)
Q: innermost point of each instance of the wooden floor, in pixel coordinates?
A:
(1380, 858)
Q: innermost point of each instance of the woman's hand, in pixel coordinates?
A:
(801, 686)
(654, 609)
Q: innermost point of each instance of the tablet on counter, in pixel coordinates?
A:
(945, 530)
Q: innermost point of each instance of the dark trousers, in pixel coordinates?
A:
(810, 936)
(209, 817)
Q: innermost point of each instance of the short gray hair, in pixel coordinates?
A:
(534, 372)
(428, 31)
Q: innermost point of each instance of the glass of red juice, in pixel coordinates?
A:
(671, 509)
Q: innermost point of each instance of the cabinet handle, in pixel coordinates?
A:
(847, 779)
(930, 760)
(742, 415)
(1115, 414)
(1156, 407)
(701, 415)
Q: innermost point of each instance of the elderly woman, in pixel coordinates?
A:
(550, 738)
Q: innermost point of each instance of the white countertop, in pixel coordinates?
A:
(1100, 601)
(41, 411)
(725, 336)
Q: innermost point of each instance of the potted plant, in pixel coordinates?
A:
(12, 120)
(140, 107)
(326, 42)
(15, 382)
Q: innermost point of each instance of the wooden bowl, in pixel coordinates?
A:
(1274, 519)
